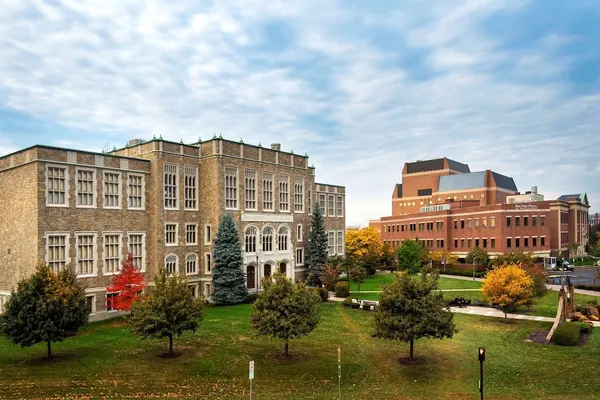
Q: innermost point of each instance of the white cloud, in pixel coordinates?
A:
(358, 107)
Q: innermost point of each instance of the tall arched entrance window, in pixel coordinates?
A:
(283, 268)
(250, 277)
(267, 269)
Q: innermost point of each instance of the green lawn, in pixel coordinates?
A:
(382, 278)
(106, 361)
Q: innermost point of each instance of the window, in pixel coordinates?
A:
(543, 241)
(86, 188)
(508, 242)
(207, 234)
(484, 222)
(469, 243)
(476, 222)
(137, 247)
(493, 243)
(171, 264)
(508, 221)
(439, 225)
(299, 257)
(485, 243)
(492, 222)
(86, 254)
(299, 233)
(284, 193)
(542, 221)
(208, 263)
(231, 199)
(339, 206)
(534, 241)
(112, 190)
(171, 238)
(250, 239)
(110, 299)
(517, 221)
(525, 242)
(517, 242)
(170, 174)
(322, 201)
(191, 234)
(112, 253)
(190, 264)
(330, 205)
(525, 221)
(533, 221)
(310, 200)
(331, 242)
(462, 243)
(90, 300)
(57, 186)
(462, 224)
(57, 251)
(267, 192)
(282, 238)
(267, 239)
(469, 224)
(455, 243)
(424, 192)
(190, 187)
(135, 191)
(250, 189)
(193, 290)
(299, 194)
(476, 242)
(339, 240)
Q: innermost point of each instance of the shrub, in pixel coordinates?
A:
(566, 334)
(584, 327)
(342, 289)
(324, 293)
(463, 272)
(347, 302)
(588, 287)
(251, 298)
(366, 307)
(355, 306)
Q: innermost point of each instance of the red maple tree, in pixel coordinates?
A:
(128, 283)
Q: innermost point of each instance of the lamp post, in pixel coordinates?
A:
(481, 355)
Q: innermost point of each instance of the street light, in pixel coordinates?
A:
(481, 355)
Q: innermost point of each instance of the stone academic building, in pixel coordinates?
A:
(160, 201)
(449, 208)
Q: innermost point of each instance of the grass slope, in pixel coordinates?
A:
(106, 361)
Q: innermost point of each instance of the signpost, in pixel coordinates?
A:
(251, 376)
(339, 372)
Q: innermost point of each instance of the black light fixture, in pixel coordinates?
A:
(481, 355)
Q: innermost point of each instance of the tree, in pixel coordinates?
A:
(411, 309)
(438, 256)
(518, 257)
(525, 261)
(509, 287)
(361, 243)
(411, 256)
(316, 252)
(387, 258)
(168, 311)
(572, 248)
(284, 310)
(357, 274)
(46, 307)
(128, 283)
(329, 276)
(228, 278)
(478, 256)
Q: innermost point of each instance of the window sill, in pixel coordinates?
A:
(171, 244)
(111, 208)
(77, 206)
(87, 276)
(191, 244)
(58, 205)
(136, 209)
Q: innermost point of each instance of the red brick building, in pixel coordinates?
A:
(447, 207)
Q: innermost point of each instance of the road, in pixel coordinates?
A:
(585, 275)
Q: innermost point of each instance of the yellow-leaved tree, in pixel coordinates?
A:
(437, 257)
(365, 247)
(509, 287)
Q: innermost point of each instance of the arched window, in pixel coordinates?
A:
(267, 270)
(191, 261)
(250, 239)
(267, 239)
(283, 268)
(282, 238)
(171, 264)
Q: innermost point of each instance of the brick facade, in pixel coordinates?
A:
(183, 190)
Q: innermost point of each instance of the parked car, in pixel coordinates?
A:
(567, 267)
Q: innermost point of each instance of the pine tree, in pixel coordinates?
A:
(46, 307)
(228, 278)
(284, 310)
(317, 252)
(128, 283)
(411, 308)
(168, 311)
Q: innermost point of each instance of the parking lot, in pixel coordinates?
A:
(585, 276)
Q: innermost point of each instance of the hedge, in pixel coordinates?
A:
(588, 287)
(342, 289)
(567, 334)
(460, 272)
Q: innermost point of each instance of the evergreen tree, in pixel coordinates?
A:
(411, 256)
(411, 308)
(128, 283)
(284, 310)
(317, 252)
(168, 311)
(46, 307)
(228, 278)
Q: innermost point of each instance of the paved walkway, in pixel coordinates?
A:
(441, 290)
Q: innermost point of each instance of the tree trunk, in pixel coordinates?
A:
(171, 344)
(49, 350)
(286, 348)
(411, 349)
(358, 284)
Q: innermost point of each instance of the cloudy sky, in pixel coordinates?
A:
(361, 86)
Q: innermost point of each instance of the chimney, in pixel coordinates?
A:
(276, 146)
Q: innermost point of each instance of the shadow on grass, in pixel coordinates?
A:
(58, 358)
